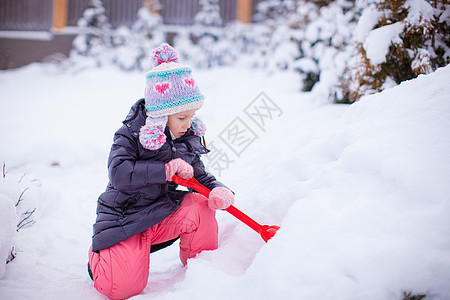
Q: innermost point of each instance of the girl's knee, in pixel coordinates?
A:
(198, 204)
(205, 233)
(198, 211)
(119, 275)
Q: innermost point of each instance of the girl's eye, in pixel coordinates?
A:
(181, 119)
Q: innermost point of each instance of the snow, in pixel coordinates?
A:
(7, 233)
(419, 11)
(369, 18)
(379, 40)
(307, 65)
(27, 35)
(360, 191)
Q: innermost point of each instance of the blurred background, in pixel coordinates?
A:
(50, 26)
(353, 48)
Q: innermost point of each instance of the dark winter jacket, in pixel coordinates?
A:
(138, 195)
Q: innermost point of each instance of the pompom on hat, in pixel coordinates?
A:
(169, 89)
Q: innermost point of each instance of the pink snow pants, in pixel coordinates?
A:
(121, 271)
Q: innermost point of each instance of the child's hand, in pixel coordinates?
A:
(179, 167)
(220, 198)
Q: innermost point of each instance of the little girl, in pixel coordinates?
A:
(141, 210)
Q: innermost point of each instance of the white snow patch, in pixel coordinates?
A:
(379, 40)
(360, 191)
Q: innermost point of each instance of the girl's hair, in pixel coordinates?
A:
(204, 141)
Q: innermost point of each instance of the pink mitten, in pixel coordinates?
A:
(179, 167)
(220, 198)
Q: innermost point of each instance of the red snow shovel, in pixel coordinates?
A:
(266, 231)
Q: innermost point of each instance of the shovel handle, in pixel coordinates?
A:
(194, 184)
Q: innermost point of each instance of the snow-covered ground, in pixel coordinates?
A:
(361, 192)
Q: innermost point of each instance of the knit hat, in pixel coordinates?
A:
(169, 89)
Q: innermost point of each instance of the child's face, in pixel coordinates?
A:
(179, 123)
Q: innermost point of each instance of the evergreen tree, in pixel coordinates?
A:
(278, 43)
(96, 31)
(147, 34)
(207, 36)
(209, 14)
(274, 10)
(420, 47)
(148, 22)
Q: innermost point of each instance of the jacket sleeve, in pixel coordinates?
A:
(126, 172)
(204, 177)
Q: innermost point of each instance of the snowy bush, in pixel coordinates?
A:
(273, 11)
(277, 46)
(312, 38)
(95, 35)
(344, 49)
(130, 49)
(397, 41)
(340, 49)
(134, 52)
(325, 45)
(207, 44)
(209, 14)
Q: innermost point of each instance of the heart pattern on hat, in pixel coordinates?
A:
(189, 82)
(161, 88)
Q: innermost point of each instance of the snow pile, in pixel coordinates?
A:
(365, 202)
(7, 223)
(374, 218)
(360, 191)
(23, 200)
(379, 40)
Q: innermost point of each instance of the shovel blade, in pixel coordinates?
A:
(267, 232)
